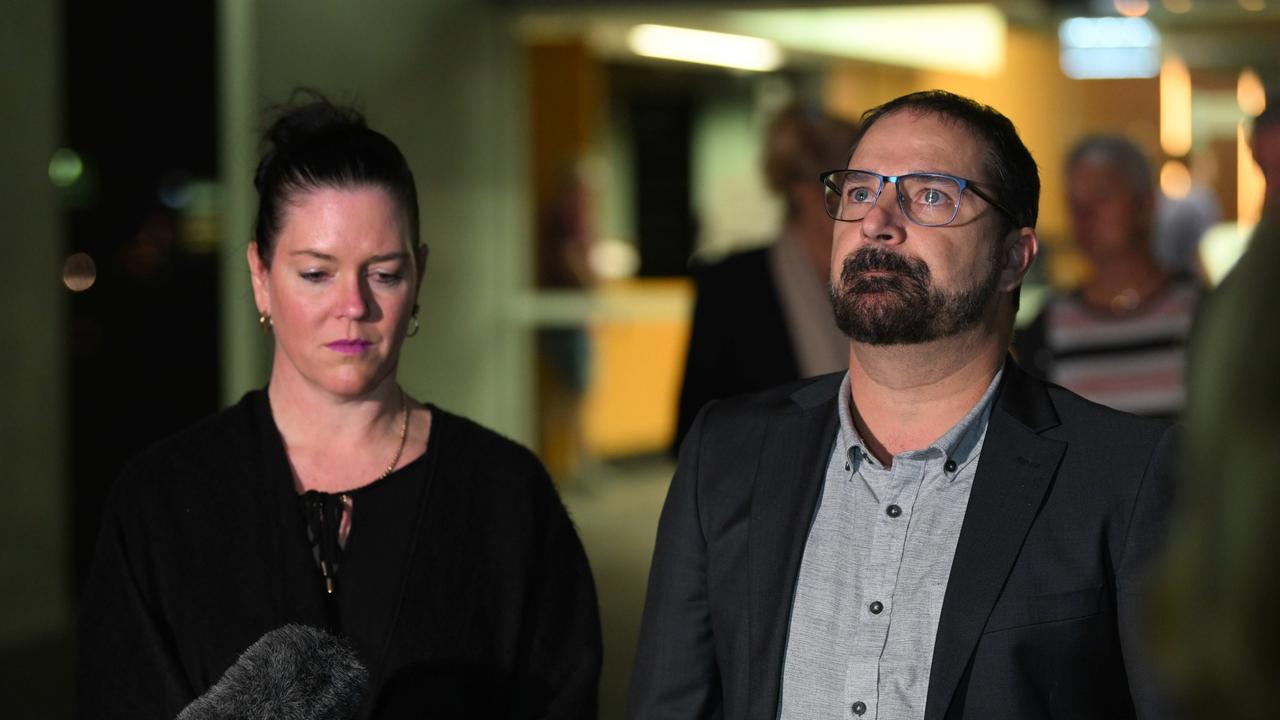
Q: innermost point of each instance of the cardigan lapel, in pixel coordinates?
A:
(788, 482)
(1014, 471)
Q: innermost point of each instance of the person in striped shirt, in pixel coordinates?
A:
(1120, 339)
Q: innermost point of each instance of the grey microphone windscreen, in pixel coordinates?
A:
(292, 673)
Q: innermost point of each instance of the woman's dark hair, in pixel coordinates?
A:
(316, 144)
(1008, 163)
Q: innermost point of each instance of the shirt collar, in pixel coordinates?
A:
(957, 444)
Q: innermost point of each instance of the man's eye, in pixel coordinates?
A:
(387, 278)
(312, 275)
(933, 196)
(860, 194)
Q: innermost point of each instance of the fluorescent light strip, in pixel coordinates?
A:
(967, 38)
(708, 48)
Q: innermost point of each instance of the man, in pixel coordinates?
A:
(933, 533)
(1121, 338)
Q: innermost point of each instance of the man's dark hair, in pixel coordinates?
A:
(315, 144)
(1007, 163)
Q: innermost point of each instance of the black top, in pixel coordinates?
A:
(380, 527)
(480, 602)
(739, 341)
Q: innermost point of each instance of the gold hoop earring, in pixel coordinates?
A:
(264, 322)
(413, 328)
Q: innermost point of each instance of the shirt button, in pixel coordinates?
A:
(859, 708)
(876, 607)
(950, 466)
(893, 511)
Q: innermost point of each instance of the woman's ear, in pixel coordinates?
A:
(420, 259)
(260, 278)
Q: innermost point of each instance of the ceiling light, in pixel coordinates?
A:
(1108, 47)
(700, 46)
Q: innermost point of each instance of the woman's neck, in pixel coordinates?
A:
(336, 443)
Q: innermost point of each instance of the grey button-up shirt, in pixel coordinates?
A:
(874, 572)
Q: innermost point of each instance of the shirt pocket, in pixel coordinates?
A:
(1039, 609)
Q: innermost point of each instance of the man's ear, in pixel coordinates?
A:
(260, 279)
(1022, 251)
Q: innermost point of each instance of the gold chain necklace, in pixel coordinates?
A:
(404, 434)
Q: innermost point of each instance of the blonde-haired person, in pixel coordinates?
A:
(763, 317)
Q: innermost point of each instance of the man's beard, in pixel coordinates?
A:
(901, 307)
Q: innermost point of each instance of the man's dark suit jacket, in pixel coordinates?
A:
(1042, 612)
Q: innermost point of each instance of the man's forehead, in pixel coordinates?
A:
(920, 141)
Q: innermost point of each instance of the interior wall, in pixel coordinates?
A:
(441, 80)
(34, 564)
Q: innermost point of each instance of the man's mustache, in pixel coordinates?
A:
(899, 271)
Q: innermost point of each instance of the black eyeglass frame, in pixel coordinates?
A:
(964, 183)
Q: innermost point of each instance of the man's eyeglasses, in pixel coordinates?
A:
(929, 199)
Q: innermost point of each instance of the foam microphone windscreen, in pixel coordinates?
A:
(292, 673)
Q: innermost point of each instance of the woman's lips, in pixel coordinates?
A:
(349, 347)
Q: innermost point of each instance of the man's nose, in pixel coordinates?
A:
(885, 222)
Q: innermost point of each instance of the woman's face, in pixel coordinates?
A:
(340, 289)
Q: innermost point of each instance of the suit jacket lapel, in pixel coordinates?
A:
(788, 483)
(1014, 471)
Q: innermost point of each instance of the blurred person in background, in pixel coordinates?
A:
(1120, 339)
(332, 498)
(1264, 143)
(565, 239)
(1181, 222)
(1217, 619)
(763, 317)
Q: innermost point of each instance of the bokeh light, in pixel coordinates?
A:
(79, 272)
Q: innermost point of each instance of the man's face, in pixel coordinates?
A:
(894, 282)
(1108, 218)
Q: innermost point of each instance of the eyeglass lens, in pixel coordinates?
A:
(925, 199)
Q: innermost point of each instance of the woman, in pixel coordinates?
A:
(332, 498)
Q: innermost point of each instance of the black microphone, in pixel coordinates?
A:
(292, 673)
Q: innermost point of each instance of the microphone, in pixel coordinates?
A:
(292, 673)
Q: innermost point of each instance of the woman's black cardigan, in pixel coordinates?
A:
(203, 550)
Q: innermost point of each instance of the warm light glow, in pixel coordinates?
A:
(1221, 247)
(960, 38)
(1175, 179)
(1177, 6)
(79, 272)
(1253, 5)
(1175, 107)
(700, 46)
(1250, 185)
(1132, 8)
(1250, 95)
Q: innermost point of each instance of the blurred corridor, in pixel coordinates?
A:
(572, 168)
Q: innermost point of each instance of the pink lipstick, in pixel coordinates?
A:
(349, 347)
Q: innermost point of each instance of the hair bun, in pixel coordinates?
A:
(306, 116)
